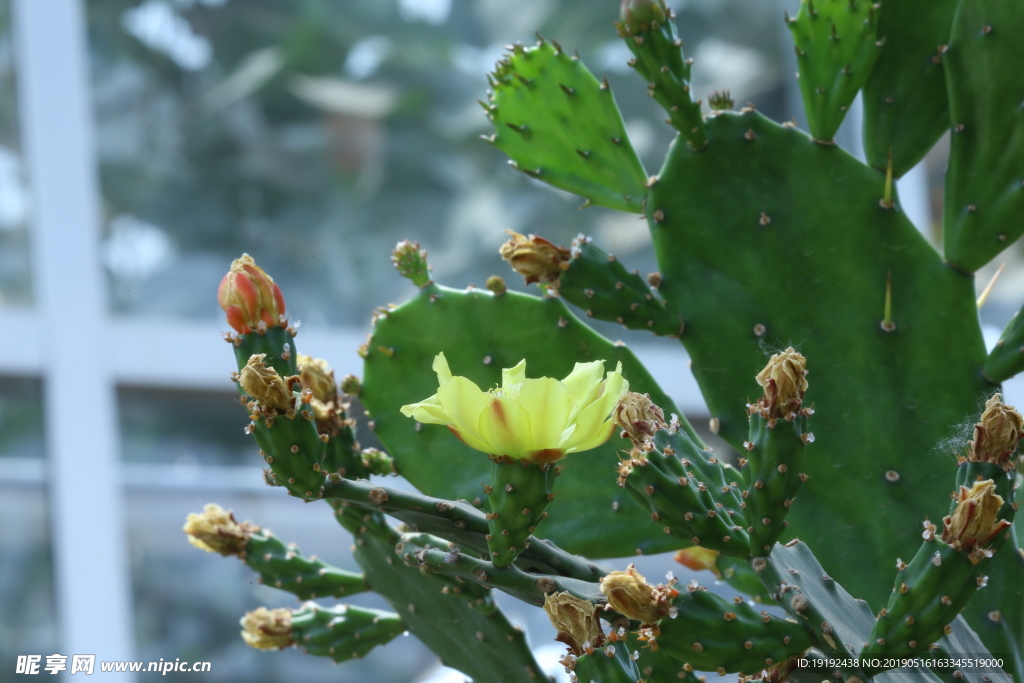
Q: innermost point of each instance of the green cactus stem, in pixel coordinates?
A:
(457, 522)
(281, 566)
(711, 633)
(774, 452)
(342, 633)
(836, 46)
(599, 284)
(441, 557)
(688, 491)
(557, 122)
(647, 28)
(518, 494)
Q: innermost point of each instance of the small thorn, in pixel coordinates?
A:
(887, 324)
(566, 89)
(604, 84)
(584, 154)
(988, 288)
(835, 35)
(886, 202)
(524, 80)
(518, 129)
(558, 48)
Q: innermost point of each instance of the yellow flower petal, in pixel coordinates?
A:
(463, 403)
(584, 383)
(440, 366)
(428, 411)
(546, 400)
(505, 425)
(516, 375)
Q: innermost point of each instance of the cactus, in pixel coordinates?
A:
(768, 240)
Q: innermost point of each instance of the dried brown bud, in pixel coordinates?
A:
(216, 531)
(996, 434)
(638, 416)
(534, 257)
(975, 521)
(576, 621)
(629, 594)
(317, 376)
(265, 385)
(784, 380)
(267, 629)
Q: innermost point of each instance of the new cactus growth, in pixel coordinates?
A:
(777, 252)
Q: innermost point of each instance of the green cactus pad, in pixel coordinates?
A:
(906, 109)
(458, 621)
(929, 593)
(307, 577)
(689, 492)
(480, 334)
(836, 46)
(609, 664)
(963, 640)
(598, 283)
(984, 182)
(775, 454)
(708, 630)
(1007, 358)
(659, 60)
(518, 495)
(818, 249)
(560, 124)
(344, 632)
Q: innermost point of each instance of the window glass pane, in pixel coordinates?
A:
(316, 134)
(21, 422)
(15, 282)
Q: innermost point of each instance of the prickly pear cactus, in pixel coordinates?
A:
(835, 348)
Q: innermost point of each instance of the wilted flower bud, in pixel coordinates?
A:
(576, 621)
(216, 531)
(249, 297)
(638, 416)
(637, 15)
(265, 385)
(784, 380)
(267, 629)
(997, 434)
(534, 257)
(629, 594)
(975, 521)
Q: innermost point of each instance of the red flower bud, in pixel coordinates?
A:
(250, 298)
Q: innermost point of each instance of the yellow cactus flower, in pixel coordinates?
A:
(539, 420)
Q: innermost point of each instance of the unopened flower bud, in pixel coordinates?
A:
(378, 462)
(698, 558)
(249, 297)
(216, 531)
(411, 262)
(638, 416)
(265, 385)
(534, 257)
(351, 385)
(629, 594)
(785, 381)
(996, 434)
(267, 629)
(576, 621)
(975, 521)
(496, 284)
(637, 15)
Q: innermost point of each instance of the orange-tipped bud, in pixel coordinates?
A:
(250, 298)
(699, 559)
(996, 434)
(534, 257)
